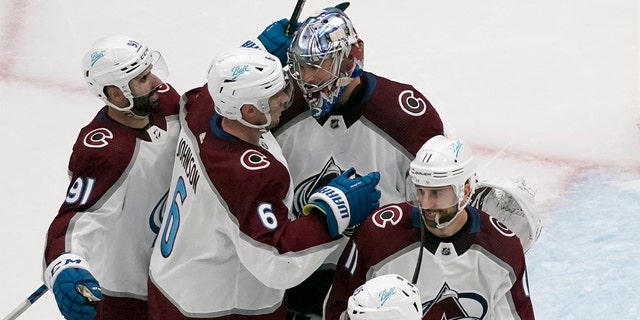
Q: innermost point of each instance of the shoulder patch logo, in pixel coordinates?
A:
(98, 138)
(391, 214)
(254, 160)
(410, 104)
(163, 88)
(504, 230)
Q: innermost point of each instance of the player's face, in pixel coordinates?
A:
(279, 102)
(316, 74)
(439, 204)
(436, 197)
(144, 89)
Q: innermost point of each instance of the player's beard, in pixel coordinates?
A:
(143, 105)
(441, 215)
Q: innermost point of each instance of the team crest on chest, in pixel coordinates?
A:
(98, 138)
(412, 105)
(304, 189)
(450, 304)
(254, 160)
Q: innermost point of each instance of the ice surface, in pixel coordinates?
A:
(546, 90)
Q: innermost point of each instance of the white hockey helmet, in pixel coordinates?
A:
(386, 297)
(115, 61)
(245, 76)
(327, 35)
(440, 162)
(512, 202)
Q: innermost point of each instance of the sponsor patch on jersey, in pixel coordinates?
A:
(254, 160)
(504, 230)
(98, 138)
(412, 105)
(391, 214)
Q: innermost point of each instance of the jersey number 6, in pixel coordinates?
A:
(173, 219)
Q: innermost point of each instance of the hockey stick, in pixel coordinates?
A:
(27, 303)
(294, 18)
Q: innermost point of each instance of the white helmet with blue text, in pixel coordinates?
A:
(115, 61)
(245, 76)
(386, 297)
(442, 162)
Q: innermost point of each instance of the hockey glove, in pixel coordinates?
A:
(73, 286)
(346, 201)
(274, 40)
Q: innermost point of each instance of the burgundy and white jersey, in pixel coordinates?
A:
(119, 179)
(384, 125)
(229, 244)
(380, 128)
(479, 273)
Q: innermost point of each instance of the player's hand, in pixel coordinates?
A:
(274, 39)
(346, 201)
(76, 290)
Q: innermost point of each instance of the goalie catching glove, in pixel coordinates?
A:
(73, 286)
(346, 201)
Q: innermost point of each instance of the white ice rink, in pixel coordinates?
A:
(547, 90)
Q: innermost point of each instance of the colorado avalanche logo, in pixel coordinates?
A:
(304, 189)
(410, 104)
(504, 230)
(254, 160)
(450, 304)
(98, 138)
(391, 214)
(163, 88)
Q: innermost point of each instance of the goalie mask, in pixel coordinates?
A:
(246, 76)
(325, 56)
(439, 173)
(115, 61)
(386, 297)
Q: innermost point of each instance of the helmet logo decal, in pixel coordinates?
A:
(254, 160)
(238, 71)
(96, 56)
(98, 138)
(392, 215)
(133, 43)
(411, 104)
(455, 147)
(386, 294)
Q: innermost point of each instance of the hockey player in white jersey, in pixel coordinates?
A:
(230, 245)
(344, 116)
(465, 263)
(99, 245)
(357, 118)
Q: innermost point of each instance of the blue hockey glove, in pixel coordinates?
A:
(346, 201)
(74, 287)
(274, 40)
